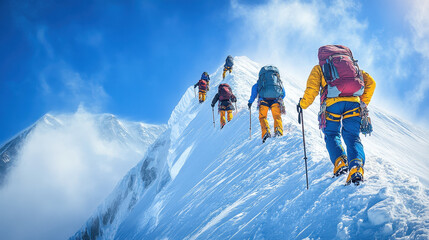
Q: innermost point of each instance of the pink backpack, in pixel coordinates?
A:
(225, 92)
(341, 71)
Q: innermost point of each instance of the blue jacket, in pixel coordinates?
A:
(255, 93)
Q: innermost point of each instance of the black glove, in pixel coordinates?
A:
(249, 105)
(299, 110)
(298, 106)
(212, 105)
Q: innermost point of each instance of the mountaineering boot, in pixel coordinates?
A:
(278, 133)
(355, 175)
(266, 136)
(340, 166)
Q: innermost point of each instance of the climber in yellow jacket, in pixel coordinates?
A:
(343, 107)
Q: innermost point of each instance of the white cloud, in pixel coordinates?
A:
(62, 175)
(289, 33)
(419, 20)
(79, 89)
(59, 82)
(41, 37)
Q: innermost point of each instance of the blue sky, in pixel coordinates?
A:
(136, 58)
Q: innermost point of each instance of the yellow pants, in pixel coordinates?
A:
(202, 95)
(222, 117)
(226, 69)
(276, 111)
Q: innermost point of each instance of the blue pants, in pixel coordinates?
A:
(348, 114)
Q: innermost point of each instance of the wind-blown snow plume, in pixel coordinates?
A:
(63, 167)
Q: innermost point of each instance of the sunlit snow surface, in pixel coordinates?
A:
(200, 182)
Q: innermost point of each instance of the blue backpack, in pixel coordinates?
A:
(205, 76)
(229, 62)
(269, 84)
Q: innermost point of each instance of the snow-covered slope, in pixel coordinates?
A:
(62, 167)
(200, 182)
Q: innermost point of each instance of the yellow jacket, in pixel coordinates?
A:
(316, 81)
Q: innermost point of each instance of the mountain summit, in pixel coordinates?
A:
(199, 182)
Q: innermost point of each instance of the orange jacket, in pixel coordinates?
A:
(316, 81)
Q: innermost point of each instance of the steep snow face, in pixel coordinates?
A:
(63, 166)
(141, 184)
(200, 182)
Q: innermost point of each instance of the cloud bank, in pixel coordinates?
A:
(63, 174)
(289, 33)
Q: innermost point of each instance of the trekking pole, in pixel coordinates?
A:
(301, 119)
(213, 117)
(236, 110)
(195, 93)
(250, 126)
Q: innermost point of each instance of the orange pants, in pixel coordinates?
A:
(202, 95)
(277, 115)
(222, 117)
(226, 69)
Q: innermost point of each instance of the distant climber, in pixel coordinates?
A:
(205, 76)
(229, 62)
(270, 92)
(203, 86)
(345, 92)
(226, 98)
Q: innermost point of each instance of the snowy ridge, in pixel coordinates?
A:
(200, 182)
(133, 135)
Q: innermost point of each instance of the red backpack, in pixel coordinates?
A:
(225, 92)
(202, 85)
(341, 71)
